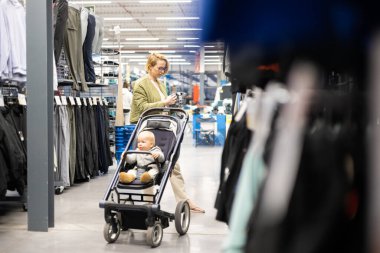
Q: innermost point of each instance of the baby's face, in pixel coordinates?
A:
(144, 143)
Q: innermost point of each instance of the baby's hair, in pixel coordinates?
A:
(150, 135)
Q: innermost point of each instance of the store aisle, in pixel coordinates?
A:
(79, 221)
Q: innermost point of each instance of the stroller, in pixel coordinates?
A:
(128, 206)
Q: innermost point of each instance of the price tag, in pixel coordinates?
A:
(72, 101)
(21, 99)
(84, 101)
(78, 101)
(1, 100)
(90, 101)
(57, 100)
(64, 100)
(94, 101)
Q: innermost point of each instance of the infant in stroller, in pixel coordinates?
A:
(144, 161)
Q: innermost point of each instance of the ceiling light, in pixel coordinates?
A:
(180, 63)
(191, 46)
(90, 2)
(176, 18)
(142, 39)
(184, 29)
(212, 56)
(209, 46)
(163, 1)
(136, 60)
(176, 60)
(174, 56)
(153, 46)
(118, 19)
(106, 39)
(130, 30)
(213, 52)
(110, 46)
(212, 63)
(211, 60)
(133, 56)
(187, 38)
(192, 51)
(163, 51)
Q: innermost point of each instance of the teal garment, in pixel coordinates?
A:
(250, 179)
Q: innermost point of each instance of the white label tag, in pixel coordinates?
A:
(78, 101)
(105, 101)
(64, 100)
(100, 101)
(1, 100)
(90, 101)
(94, 101)
(21, 99)
(57, 100)
(84, 101)
(72, 101)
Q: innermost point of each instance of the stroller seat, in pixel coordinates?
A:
(166, 140)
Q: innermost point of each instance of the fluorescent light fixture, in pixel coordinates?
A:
(213, 63)
(177, 18)
(211, 60)
(174, 56)
(153, 46)
(127, 52)
(187, 38)
(191, 46)
(192, 51)
(131, 30)
(163, 51)
(106, 39)
(117, 19)
(210, 46)
(212, 56)
(90, 2)
(136, 60)
(184, 29)
(110, 46)
(130, 39)
(213, 51)
(163, 1)
(176, 60)
(180, 63)
(134, 56)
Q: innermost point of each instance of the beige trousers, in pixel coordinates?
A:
(178, 184)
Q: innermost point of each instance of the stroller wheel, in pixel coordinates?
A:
(111, 231)
(182, 217)
(154, 235)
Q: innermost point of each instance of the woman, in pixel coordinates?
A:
(149, 92)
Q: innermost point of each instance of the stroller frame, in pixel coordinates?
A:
(123, 216)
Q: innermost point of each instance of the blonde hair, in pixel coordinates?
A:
(153, 58)
(147, 135)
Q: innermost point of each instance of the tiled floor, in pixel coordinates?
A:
(79, 221)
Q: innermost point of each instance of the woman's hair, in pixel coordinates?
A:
(152, 61)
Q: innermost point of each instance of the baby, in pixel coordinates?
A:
(145, 142)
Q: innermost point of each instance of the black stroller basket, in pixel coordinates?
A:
(125, 207)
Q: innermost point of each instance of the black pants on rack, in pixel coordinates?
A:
(80, 171)
(87, 50)
(62, 12)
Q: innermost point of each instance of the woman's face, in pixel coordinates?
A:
(159, 69)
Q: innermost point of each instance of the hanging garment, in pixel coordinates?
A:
(88, 160)
(13, 154)
(235, 148)
(84, 22)
(87, 50)
(94, 140)
(61, 12)
(73, 49)
(13, 14)
(99, 34)
(73, 142)
(80, 170)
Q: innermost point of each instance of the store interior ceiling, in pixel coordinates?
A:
(172, 27)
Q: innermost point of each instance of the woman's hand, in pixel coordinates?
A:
(170, 100)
